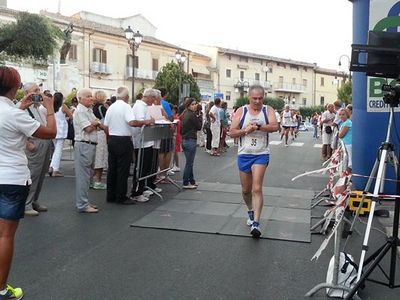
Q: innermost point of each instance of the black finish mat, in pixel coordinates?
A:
(222, 212)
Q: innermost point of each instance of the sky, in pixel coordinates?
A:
(313, 31)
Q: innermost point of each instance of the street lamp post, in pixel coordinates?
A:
(134, 41)
(340, 64)
(180, 58)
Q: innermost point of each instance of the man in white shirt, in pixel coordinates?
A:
(120, 120)
(85, 126)
(147, 160)
(327, 119)
(215, 126)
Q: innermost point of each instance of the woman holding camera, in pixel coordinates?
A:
(15, 128)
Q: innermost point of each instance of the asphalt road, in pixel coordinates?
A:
(62, 254)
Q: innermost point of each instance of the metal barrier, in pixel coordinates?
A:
(156, 133)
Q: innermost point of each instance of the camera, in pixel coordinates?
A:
(393, 94)
(36, 98)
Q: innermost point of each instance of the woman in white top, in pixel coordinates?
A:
(62, 129)
(15, 128)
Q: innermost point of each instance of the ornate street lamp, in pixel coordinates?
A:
(340, 65)
(134, 40)
(180, 58)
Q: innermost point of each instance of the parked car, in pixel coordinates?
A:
(306, 126)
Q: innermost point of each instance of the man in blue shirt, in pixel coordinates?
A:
(166, 146)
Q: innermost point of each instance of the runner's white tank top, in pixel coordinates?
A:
(255, 143)
(286, 118)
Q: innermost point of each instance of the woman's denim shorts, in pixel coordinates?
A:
(12, 201)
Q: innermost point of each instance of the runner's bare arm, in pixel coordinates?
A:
(272, 125)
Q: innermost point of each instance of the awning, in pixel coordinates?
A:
(200, 69)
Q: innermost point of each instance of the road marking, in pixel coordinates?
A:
(275, 142)
(296, 144)
(318, 146)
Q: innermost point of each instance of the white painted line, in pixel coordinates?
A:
(318, 146)
(296, 144)
(275, 142)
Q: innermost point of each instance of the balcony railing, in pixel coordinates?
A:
(141, 73)
(100, 68)
(247, 82)
(288, 87)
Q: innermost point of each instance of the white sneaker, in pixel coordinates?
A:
(147, 193)
(189, 186)
(176, 169)
(170, 173)
(140, 199)
(249, 222)
(31, 213)
(158, 190)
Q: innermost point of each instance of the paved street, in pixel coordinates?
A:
(62, 254)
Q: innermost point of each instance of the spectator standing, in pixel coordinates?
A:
(215, 126)
(207, 127)
(62, 112)
(191, 123)
(86, 125)
(38, 153)
(144, 166)
(118, 120)
(101, 157)
(178, 140)
(345, 134)
(166, 146)
(15, 127)
(327, 119)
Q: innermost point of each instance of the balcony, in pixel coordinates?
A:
(141, 73)
(100, 68)
(245, 83)
(289, 87)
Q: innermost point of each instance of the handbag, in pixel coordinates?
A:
(328, 129)
(71, 130)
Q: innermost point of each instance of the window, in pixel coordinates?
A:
(280, 79)
(266, 76)
(73, 53)
(228, 95)
(305, 82)
(257, 76)
(229, 56)
(322, 100)
(242, 58)
(304, 101)
(129, 61)
(155, 64)
(241, 75)
(281, 65)
(99, 55)
(322, 81)
(305, 69)
(293, 67)
(228, 73)
(293, 80)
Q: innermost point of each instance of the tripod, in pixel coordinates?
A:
(379, 168)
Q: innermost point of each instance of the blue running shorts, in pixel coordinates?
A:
(245, 161)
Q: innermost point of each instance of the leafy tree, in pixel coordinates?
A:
(168, 78)
(70, 96)
(32, 36)
(344, 92)
(308, 111)
(241, 101)
(276, 103)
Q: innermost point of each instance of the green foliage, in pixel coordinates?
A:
(68, 99)
(168, 78)
(308, 111)
(20, 94)
(276, 103)
(32, 36)
(241, 101)
(344, 92)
